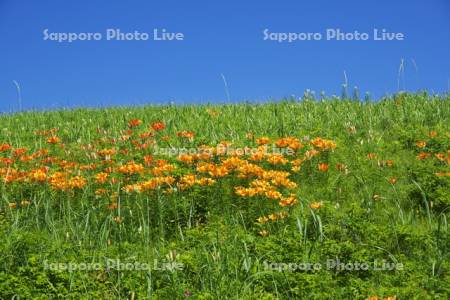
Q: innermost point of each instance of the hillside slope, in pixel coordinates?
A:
(291, 200)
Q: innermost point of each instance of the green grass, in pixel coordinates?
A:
(214, 233)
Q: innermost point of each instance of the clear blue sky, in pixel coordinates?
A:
(220, 37)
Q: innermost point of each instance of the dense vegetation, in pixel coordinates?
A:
(225, 201)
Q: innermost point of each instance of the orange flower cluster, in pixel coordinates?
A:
(191, 180)
(127, 163)
(5, 147)
(426, 152)
(290, 142)
(186, 134)
(316, 205)
(263, 141)
(134, 123)
(149, 185)
(131, 168)
(323, 144)
(53, 140)
(60, 181)
(158, 126)
(386, 298)
(323, 167)
(277, 159)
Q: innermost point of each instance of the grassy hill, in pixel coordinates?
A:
(314, 199)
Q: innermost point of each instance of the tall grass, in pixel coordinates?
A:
(215, 235)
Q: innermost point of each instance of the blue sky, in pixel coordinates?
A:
(220, 37)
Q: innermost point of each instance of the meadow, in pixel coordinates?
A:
(310, 199)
